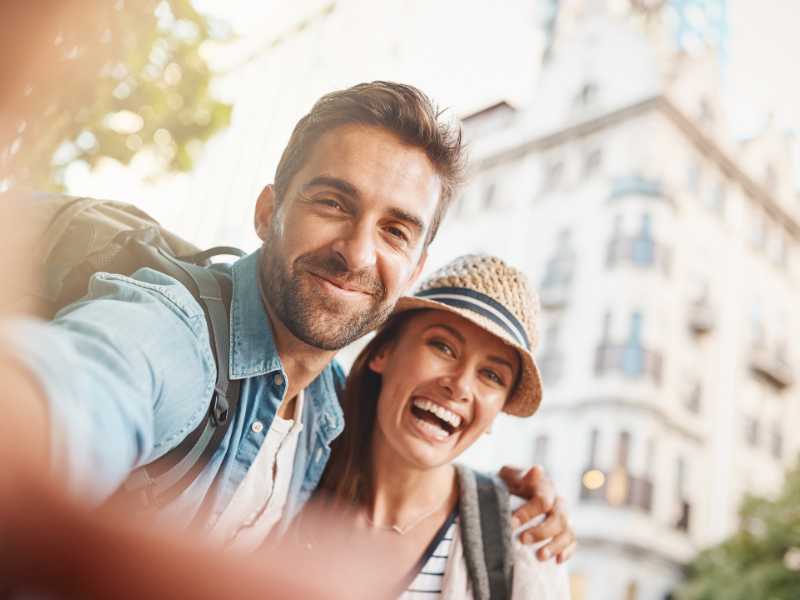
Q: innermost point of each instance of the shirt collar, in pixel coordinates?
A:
(253, 350)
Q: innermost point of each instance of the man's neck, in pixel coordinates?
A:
(301, 362)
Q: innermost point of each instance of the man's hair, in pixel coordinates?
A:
(400, 109)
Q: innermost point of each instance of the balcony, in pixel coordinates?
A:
(636, 185)
(630, 360)
(616, 487)
(701, 318)
(638, 250)
(771, 366)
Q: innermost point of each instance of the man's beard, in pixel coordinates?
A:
(305, 313)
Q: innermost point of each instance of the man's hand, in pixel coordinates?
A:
(535, 487)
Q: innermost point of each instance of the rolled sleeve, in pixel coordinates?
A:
(126, 372)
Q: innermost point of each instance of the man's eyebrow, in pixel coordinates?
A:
(412, 219)
(334, 182)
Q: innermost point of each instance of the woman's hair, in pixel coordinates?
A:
(347, 476)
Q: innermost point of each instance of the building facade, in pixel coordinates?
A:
(667, 257)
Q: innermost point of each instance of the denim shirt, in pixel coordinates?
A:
(128, 373)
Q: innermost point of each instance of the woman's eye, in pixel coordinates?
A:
(442, 347)
(494, 377)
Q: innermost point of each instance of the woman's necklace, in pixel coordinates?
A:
(409, 526)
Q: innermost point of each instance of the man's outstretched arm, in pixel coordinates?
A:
(540, 495)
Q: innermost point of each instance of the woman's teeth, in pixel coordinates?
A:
(448, 416)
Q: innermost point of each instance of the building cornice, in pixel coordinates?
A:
(701, 140)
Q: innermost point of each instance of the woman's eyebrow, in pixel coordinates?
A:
(502, 361)
(455, 332)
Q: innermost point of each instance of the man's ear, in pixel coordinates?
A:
(265, 211)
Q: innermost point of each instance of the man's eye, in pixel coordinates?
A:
(330, 202)
(398, 234)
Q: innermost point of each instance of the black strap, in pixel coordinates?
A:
(163, 480)
(492, 531)
(201, 257)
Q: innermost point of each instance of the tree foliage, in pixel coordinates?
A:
(120, 77)
(761, 560)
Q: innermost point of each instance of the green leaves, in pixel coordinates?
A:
(761, 560)
(126, 77)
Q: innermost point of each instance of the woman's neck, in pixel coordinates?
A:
(402, 492)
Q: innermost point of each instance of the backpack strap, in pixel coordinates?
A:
(163, 480)
(486, 534)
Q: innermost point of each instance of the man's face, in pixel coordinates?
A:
(348, 239)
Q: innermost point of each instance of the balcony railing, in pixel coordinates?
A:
(640, 251)
(617, 487)
(701, 317)
(636, 185)
(771, 366)
(629, 359)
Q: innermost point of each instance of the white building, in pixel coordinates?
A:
(667, 258)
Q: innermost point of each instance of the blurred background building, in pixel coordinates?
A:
(666, 256)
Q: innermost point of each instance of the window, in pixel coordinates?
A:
(561, 265)
(488, 196)
(552, 175)
(716, 201)
(752, 431)
(693, 177)
(693, 401)
(587, 94)
(606, 336)
(680, 478)
(594, 440)
(540, 450)
(776, 447)
(633, 354)
(592, 161)
(623, 449)
(644, 247)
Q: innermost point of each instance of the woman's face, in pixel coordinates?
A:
(444, 379)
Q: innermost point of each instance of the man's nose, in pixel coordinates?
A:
(357, 247)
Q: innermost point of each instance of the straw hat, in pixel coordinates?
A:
(497, 298)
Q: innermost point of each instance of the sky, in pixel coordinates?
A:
(464, 54)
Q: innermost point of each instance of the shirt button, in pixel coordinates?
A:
(257, 427)
(278, 380)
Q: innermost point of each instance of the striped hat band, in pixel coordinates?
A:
(481, 304)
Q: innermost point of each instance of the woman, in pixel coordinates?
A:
(422, 391)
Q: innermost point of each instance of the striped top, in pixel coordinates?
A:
(427, 584)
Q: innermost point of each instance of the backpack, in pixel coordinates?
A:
(77, 237)
(486, 534)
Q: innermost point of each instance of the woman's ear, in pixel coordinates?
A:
(377, 364)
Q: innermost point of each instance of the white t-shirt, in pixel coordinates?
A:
(257, 505)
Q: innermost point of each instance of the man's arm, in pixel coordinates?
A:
(535, 487)
(113, 380)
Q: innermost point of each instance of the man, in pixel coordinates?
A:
(124, 375)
